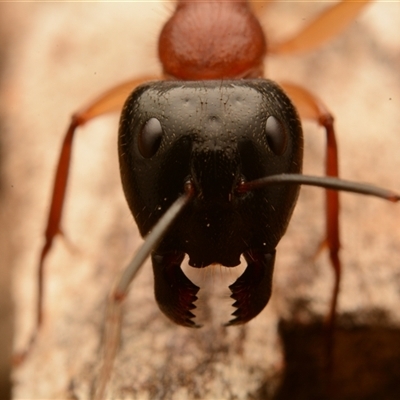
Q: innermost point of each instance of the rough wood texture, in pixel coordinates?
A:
(61, 56)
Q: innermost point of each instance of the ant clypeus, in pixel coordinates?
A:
(161, 326)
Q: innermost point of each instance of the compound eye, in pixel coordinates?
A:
(150, 138)
(277, 137)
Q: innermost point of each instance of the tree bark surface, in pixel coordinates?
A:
(62, 55)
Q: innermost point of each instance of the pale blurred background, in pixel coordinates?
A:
(55, 57)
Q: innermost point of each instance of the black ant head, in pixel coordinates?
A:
(216, 136)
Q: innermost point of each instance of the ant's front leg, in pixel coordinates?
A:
(110, 101)
(310, 107)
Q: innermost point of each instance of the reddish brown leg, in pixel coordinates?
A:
(310, 107)
(324, 27)
(110, 101)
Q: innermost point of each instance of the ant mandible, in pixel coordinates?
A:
(308, 106)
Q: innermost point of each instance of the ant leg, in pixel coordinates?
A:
(324, 27)
(110, 101)
(310, 107)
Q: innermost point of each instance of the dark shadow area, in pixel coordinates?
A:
(366, 362)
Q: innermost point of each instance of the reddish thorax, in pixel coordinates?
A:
(212, 40)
